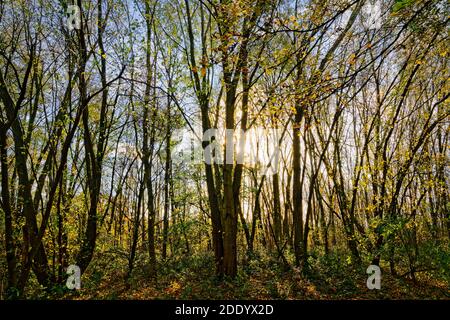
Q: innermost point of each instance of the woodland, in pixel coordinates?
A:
(224, 149)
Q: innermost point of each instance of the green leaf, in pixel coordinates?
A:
(401, 4)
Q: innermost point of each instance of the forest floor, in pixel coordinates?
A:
(260, 278)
